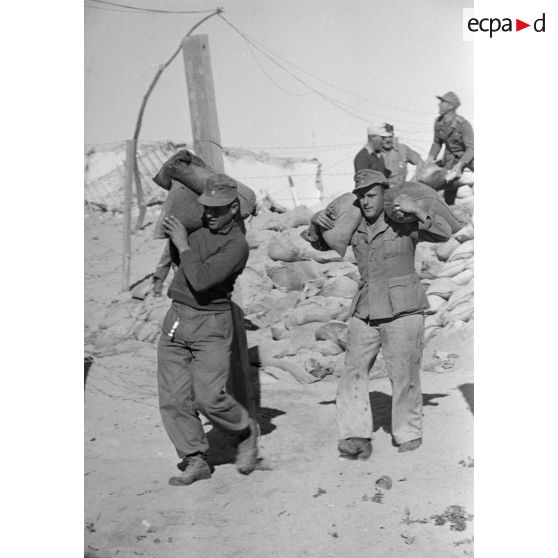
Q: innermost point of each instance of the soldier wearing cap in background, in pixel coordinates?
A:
(455, 133)
(396, 156)
(387, 312)
(195, 345)
(369, 157)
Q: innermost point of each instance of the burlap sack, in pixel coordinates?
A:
(192, 171)
(281, 250)
(431, 175)
(346, 213)
(183, 204)
(428, 200)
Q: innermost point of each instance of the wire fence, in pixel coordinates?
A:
(108, 250)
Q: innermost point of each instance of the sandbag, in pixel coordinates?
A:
(306, 314)
(296, 217)
(427, 199)
(465, 234)
(192, 171)
(341, 286)
(292, 276)
(335, 331)
(183, 204)
(345, 211)
(467, 178)
(326, 347)
(463, 312)
(443, 287)
(280, 249)
(278, 331)
(431, 174)
(285, 278)
(445, 250)
(464, 192)
(450, 269)
(461, 295)
(463, 278)
(464, 251)
(436, 302)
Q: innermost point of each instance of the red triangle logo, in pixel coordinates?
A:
(519, 25)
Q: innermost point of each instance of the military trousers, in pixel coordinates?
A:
(193, 365)
(401, 340)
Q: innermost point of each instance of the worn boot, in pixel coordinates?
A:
(194, 468)
(355, 448)
(247, 453)
(410, 446)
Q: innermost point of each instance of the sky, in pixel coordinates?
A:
(383, 60)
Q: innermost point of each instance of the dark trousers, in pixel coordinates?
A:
(193, 369)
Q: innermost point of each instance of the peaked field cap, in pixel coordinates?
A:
(367, 177)
(451, 98)
(219, 190)
(378, 130)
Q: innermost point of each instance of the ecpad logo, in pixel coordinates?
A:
(493, 25)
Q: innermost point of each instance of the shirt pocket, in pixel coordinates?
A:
(395, 246)
(406, 294)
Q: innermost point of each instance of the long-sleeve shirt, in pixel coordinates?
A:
(396, 160)
(207, 272)
(456, 134)
(385, 253)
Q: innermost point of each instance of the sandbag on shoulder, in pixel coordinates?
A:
(345, 212)
(192, 171)
(428, 200)
(183, 204)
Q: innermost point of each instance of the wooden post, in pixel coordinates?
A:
(207, 145)
(127, 237)
(201, 97)
(293, 191)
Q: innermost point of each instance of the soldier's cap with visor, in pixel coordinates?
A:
(366, 178)
(379, 130)
(219, 190)
(451, 98)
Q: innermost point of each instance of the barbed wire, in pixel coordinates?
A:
(335, 102)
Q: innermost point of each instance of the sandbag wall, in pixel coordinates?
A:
(296, 299)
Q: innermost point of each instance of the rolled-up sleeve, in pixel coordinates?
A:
(205, 274)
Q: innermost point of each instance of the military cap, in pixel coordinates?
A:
(219, 190)
(451, 98)
(365, 178)
(378, 130)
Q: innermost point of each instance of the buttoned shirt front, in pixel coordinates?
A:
(385, 253)
(456, 134)
(396, 160)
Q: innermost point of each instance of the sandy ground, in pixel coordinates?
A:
(302, 500)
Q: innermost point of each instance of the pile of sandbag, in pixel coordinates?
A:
(297, 299)
(447, 272)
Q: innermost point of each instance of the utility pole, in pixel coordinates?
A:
(201, 97)
(207, 145)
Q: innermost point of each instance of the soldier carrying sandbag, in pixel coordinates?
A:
(455, 134)
(194, 351)
(387, 312)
